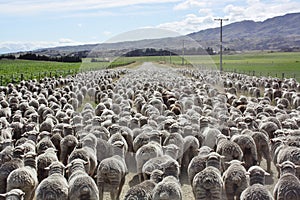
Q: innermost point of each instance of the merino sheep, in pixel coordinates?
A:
(14, 194)
(145, 153)
(144, 190)
(248, 146)
(81, 185)
(168, 165)
(263, 148)
(10, 166)
(256, 190)
(198, 163)
(208, 184)
(190, 150)
(67, 145)
(43, 161)
(168, 188)
(24, 178)
(235, 180)
(55, 186)
(289, 153)
(111, 173)
(288, 186)
(229, 149)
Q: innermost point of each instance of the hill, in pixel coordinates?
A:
(277, 33)
(280, 33)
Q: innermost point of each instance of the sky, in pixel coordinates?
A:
(33, 24)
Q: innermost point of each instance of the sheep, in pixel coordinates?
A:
(263, 148)
(44, 143)
(10, 166)
(256, 190)
(144, 190)
(229, 149)
(168, 188)
(43, 161)
(235, 180)
(111, 173)
(24, 178)
(208, 183)
(198, 163)
(55, 186)
(289, 153)
(176, 139)
(288, 186)
(145, 153)
(168, 165)
(89, 143)
(210, 137)
(248, 146)
(14, 194)
(191, 146)
(81, 185)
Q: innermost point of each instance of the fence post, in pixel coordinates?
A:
(1, 80)
(22, 77)
(253, 73)
(12, 78)
(282, 76)
(39, 76)
(50, 74)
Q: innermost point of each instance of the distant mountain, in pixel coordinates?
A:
(272, 34)
(278, 33)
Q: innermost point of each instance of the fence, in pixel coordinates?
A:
(280, 75)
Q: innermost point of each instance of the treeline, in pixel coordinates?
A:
(161, 52)
(32, 56)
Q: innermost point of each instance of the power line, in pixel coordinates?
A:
(221, 40)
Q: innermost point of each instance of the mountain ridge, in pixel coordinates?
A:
(277, 33)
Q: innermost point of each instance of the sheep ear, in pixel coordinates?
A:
(68, 165)
(222, 157)
(148, 173)
(278, 165)
(3, 195)
(267, 174)
(85, 162)
(247, 173)
(47, 168)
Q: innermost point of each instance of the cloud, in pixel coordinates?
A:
(192, 3)
(190, 23)
(16, 46)
(41, 6)
(258, 10)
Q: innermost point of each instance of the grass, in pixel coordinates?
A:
(258, 63)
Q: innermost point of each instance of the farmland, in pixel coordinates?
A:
(257, 63)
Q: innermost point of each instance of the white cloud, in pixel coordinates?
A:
(16, 46)
(190, 23)
(192, 3)
(260, 10)
(39, 6)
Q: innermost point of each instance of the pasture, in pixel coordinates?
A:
(276, 64)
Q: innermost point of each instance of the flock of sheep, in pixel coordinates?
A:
(78, 137)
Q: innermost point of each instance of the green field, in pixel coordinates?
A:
(259, 64)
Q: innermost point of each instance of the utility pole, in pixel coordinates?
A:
(182, 52)
(221, 40)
